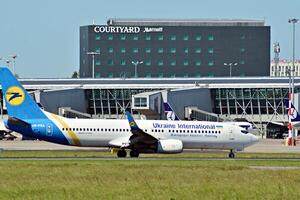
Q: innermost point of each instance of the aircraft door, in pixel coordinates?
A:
(49, 130)
(231, 135)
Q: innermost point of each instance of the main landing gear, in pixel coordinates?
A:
(122, 153)
(231, 154)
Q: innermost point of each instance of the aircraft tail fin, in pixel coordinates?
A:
(169, 112)
(19, 103)
(295, 114)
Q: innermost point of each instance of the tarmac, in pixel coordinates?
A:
(263, 146)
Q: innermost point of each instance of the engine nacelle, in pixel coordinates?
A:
(169, 146)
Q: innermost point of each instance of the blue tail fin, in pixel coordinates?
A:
(295, 114)
(170, 114)
(18, 102)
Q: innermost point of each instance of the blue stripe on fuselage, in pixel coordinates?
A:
(38, 129)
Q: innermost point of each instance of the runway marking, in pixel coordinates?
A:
(142, 159)
(275, 168)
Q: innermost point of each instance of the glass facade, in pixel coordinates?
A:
(250, 101)
(111, 101)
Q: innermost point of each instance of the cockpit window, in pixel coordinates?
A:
(244, 131)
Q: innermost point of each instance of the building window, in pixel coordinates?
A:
(148, 50)
(198, 75)
(110, 37)
(211, 63)
(242, 62)
(110, 62)
(173, 63)
(148, 74)
(198, 50)
(211, 38)
(160, 37)
(148, 37)
(198, 37)
(123, 50)
(123, 37)
(173, 37)
(185, 75)
(210, 50)
(140, 102)
(98, 37)
(198, 63)
(185, 63)
(97, 75)
(173, 50)
(211, 75)
(110, 75)
(186, 50)
(123, 62)
(97, 49)
(135, 37)
(110, 50)
(160, 63)
(173, 75)
(160, 75)
(242, 50)
(147, 62)
(98, 62)
(185, 37)
(160, 50)
(135, 50)
(243, 37)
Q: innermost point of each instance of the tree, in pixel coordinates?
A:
(75, 74)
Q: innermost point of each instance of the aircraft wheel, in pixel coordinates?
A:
(134, 154)
(231, 154)
(121, 153)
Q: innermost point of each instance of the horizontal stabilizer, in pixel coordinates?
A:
(17, 122)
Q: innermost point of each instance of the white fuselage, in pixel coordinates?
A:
(193, 134)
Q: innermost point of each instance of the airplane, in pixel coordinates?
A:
(171, 116)
(295, 115)
(138, 136)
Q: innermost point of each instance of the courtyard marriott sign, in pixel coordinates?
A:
(125, 29)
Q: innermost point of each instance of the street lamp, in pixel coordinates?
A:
(14, 62)
(230, 67)
(93, 53)
(291, 87)
(136, 63)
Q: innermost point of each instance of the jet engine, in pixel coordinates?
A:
(169, 146)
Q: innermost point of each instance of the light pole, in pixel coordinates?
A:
(230, 67)
(14, 63)
(93, 53)
(292, 72)
(136, 63)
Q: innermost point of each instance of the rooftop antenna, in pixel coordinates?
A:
(276, 47)
(93, 21)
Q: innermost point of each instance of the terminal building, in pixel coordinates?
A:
(175, 48)
(259, 100)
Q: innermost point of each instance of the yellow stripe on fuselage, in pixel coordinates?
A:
(70, 132)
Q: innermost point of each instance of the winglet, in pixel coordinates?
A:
(131, 121)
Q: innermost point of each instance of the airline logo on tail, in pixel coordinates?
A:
(170, 114)
(15, 96)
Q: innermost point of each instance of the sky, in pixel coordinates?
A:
(45, 34)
